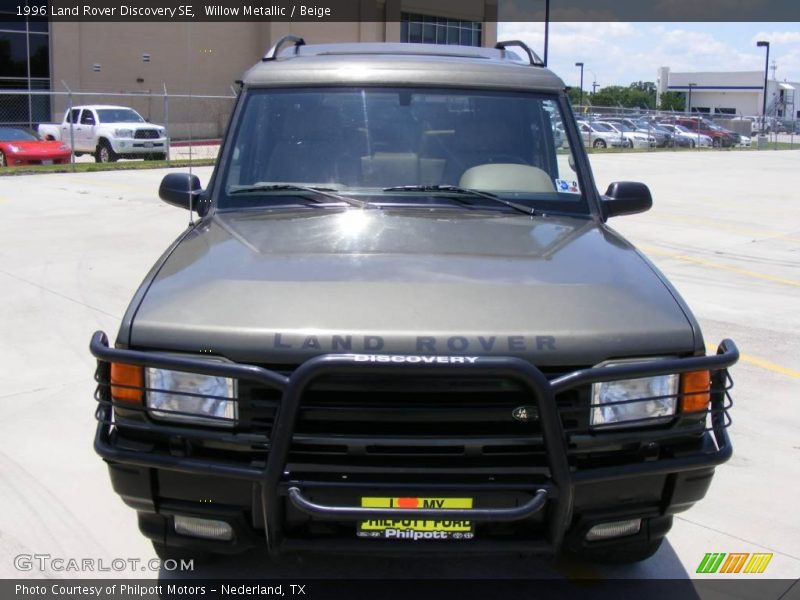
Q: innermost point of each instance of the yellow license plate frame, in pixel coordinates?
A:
(416, 529)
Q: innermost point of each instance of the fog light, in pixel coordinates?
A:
(203, 528)
(605, 531)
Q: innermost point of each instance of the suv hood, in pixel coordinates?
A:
(278, 286)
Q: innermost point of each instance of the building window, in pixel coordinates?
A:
(427, 29)
(24, 65)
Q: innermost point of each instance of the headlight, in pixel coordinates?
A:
(123, 133)
(13, 148)
(191, 398)
(634, 402)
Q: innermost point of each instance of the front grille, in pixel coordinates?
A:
(368, 428)
(146, 134)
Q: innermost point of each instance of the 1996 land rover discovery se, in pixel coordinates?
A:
(401, 323)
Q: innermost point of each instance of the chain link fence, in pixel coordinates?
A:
(185, 117)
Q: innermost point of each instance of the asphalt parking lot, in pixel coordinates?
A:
(724, 228)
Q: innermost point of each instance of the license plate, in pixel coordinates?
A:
(148, 144)
(419, 529)
(47, 162)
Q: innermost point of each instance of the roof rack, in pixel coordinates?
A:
(272, 53)
(534, 59)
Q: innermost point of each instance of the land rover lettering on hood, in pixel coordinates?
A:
(400, 320)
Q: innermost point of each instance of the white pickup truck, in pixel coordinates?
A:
(109, 133)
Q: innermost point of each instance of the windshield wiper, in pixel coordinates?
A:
(454, 189)
(285, 187)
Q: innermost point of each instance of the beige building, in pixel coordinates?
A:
(140, 60)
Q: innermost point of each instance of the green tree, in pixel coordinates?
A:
(673, 101)
(574, 95)
(612, 95)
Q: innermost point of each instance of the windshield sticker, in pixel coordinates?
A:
(567, 187)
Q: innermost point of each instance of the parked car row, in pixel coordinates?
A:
(672, 131)
(106, 132)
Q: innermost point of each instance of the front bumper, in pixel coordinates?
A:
(36, 158)
(265, 500)
(128, 146)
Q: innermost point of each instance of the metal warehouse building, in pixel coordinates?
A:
(731, 93)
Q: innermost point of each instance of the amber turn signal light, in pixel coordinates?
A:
(127, 382)
(695, 391)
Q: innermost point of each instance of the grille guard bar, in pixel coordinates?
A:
(542, 391)
(517, 513)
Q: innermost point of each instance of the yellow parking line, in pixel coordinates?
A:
(720, 266)
(760, 362)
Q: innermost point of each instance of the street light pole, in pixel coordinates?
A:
(580, 64)
(763, 44)
(689, 107)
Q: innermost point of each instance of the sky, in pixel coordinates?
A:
(620, 53)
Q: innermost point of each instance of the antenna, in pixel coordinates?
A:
(189, 112)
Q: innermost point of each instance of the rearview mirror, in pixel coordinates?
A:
(626, 198)
(184, 191)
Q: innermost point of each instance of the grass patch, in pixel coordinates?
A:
(130, 165)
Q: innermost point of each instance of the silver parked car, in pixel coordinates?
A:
(632, 137)
(601, 135)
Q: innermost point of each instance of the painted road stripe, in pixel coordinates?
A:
(720, 266)
(760, 362)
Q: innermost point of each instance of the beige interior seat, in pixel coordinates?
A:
(501, 177)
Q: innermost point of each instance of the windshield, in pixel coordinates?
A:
(13, 134)
(401, 146)
(603, 127)
(622, 126)
(118, 115)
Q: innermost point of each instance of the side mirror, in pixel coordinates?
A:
(184, 191)
(626, 198)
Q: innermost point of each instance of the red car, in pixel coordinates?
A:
(21, 147)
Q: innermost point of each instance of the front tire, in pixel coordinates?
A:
(599, 144)
(716, 143)
(104, 153)
(3, 162)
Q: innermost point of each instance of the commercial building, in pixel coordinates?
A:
(199, 58)
(735, 93)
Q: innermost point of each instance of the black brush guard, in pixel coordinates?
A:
(557, 491)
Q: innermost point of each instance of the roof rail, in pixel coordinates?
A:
(534, 59)
(272, 53)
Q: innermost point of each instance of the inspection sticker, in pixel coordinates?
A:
(567, 187)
